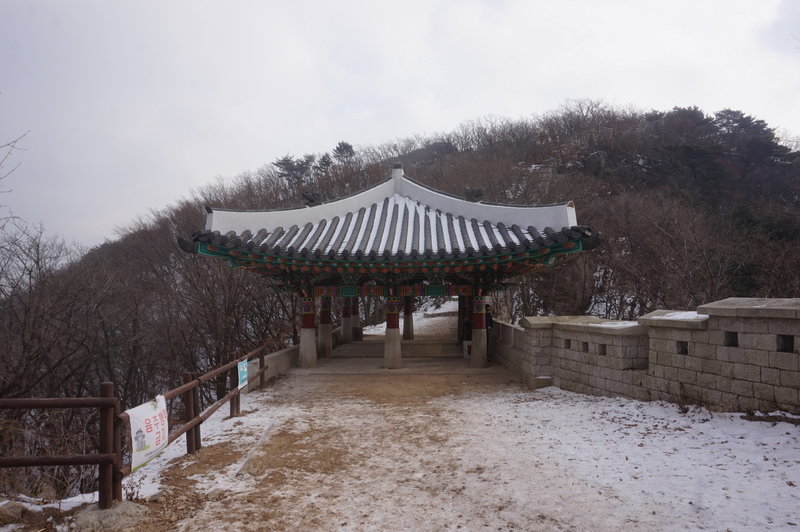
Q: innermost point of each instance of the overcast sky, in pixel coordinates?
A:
(130, 105)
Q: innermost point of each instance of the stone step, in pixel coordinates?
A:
(535, 383)
(423, 348)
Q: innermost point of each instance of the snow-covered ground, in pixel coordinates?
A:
(435, 324)
(348, 446)
(506, 458)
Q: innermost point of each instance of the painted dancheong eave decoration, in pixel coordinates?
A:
(397, 233)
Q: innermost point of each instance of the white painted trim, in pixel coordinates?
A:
(555, 216)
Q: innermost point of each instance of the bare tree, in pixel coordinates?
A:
(6, 152)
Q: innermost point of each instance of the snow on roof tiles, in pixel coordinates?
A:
(396, 218)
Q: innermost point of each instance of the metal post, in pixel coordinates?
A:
(188, 404)
(198, 443)
(106, 471)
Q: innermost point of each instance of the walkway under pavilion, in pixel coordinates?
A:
(399, 240)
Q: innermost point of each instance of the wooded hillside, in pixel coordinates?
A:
(692, 207)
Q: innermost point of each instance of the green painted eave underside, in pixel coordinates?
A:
(312, 269)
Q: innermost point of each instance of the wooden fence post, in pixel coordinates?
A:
(262, 379)
(106, 471)
(198, 443)
(233, 380)
(118, 475)
(188, 405)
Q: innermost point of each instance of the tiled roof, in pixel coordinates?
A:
(397, 219)
(397, 227)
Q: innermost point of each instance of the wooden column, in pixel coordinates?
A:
(324, 338)
(477, 358)
(408, 318)
(347, 326)
(462, 314)
(392, 350)
(355, 319)
(308, 333)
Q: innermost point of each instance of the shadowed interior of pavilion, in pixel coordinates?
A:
(398, 240)
(426, 345)
(433, 346)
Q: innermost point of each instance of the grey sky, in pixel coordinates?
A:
(131, 105)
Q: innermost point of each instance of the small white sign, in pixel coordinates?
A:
(149, 431)
(242, 373)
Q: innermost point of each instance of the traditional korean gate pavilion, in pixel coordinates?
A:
(398, 239)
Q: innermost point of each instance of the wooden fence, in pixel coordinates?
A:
(109, 456)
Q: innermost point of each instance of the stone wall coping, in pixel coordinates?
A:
(508, 324)
(675, 319)
(753, 307)
(590, 324)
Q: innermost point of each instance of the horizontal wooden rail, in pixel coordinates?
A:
(28, 403)
(109, 457)
(211, 409)
(71, 459)
(200, 418)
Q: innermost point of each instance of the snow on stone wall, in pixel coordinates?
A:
(738, 354)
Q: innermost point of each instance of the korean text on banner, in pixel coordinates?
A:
(242, 373)
(149, 431)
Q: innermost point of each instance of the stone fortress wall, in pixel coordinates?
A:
(738, 354)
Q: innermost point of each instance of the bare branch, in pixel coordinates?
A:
(7, 150)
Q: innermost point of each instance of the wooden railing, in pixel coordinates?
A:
(111, 470)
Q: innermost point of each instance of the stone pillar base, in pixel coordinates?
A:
(325, 341)
(392, 352)
(355, 326)
(308, 348)
(347, 330)
(477, 358)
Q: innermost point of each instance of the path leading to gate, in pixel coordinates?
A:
(369, 449)
(438, 446)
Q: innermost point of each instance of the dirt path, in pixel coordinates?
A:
(367, 449)
(363, 448)
(439, 446)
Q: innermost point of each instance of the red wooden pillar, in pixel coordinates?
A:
(347, 327)
(408, 318)
(392, 353)
(461, 318)
(355, 319)
(308, 333)
(324, 338)
(477, 358)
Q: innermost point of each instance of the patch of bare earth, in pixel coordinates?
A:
(368, 450)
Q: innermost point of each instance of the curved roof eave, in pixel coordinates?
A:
(226, 220)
